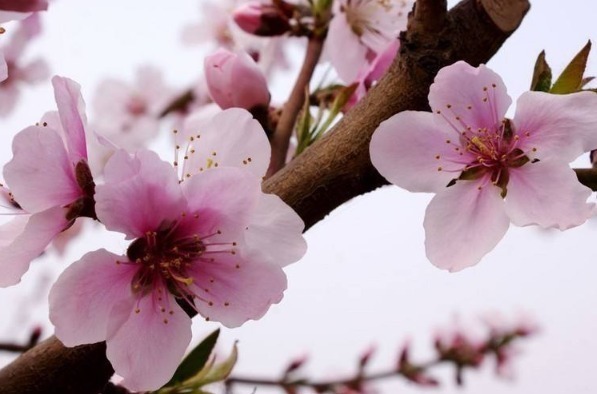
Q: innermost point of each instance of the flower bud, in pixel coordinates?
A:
(264, 20)
(235, 80)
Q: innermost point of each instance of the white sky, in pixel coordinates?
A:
(365, 279)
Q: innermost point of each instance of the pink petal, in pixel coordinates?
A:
(36, 71)
(140, 193)
(382, 62)
(27, 29)
(463, 223)
(72, 115)
(223, 199)
(235, 290)
(477, 96)
(7, 16)
(548, 194)
(110, 98)
(83, 298)
(147, 348)
(347, 54)
(16, 256)
(559, 126)
(3, 68)
(409, 149)
(194, 122)
(232, 138)
(275, 232)
(40, 173)
(9, 97)
(10, 229)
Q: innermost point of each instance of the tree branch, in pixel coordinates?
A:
(52, 368)
(333, 170)
(285, 127)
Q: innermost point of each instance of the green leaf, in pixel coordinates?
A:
(212, 372)
(195, 360)
(303, 127)
(541, 75)
(570, 80)
(223, 370)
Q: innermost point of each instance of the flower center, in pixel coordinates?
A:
(164, 261)
(495, 151)
(136, 106)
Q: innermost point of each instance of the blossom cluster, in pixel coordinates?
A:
(203, 238)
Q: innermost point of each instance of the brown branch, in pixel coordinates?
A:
(52, 368)
(333, 170)
(285, 126)
(431, 14)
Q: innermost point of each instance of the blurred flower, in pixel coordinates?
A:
(218, 28)
(362, 29)
(211, 243)
(234, 80)
(20, 73)
(129, 114)
(488, 170)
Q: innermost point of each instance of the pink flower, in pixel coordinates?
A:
(263, 19)
(20, 74)
(129, 114)
(235, 80)
(210, 242)
(373, 72)
(488, 170)
(360, 29)
(49, 179)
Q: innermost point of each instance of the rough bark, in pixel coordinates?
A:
(332, 171)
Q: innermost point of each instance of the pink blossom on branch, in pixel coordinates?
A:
(210, 242)
(488, 170)
(50, 180)
(362, 29)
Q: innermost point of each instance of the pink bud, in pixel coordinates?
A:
(261, 19)
(23, 5)
(235, 80)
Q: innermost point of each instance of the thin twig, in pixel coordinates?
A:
(285, 127)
